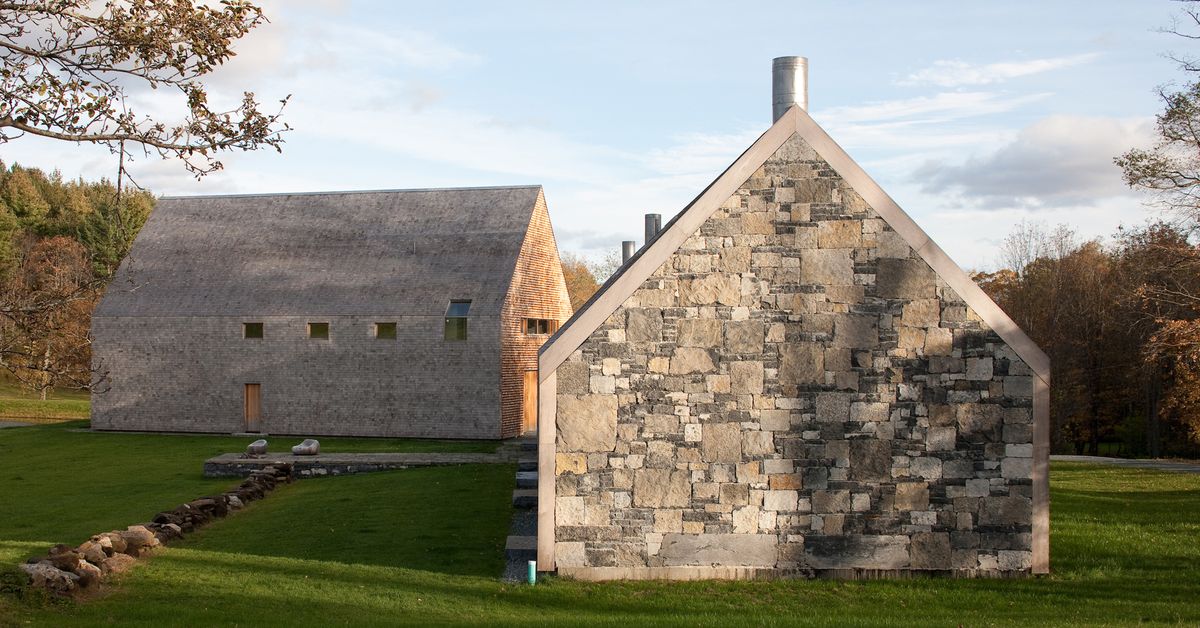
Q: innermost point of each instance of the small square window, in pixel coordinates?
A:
(318, 331)
(385, 331)
(540, 326)
(252, 330)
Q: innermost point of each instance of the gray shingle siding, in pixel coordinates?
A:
(168, 333)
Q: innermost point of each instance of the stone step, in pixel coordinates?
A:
(521, 548)
(525, 498)
(527, 479)
(527, 464)
(528, 445)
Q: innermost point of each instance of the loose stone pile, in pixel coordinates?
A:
(70, 570)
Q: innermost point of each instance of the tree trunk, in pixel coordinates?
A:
(46, 371)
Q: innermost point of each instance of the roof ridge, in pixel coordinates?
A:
(349, 192)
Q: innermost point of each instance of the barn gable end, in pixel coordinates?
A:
(792, 378)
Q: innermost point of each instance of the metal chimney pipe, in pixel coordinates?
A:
(628, 247)
(653, 225)
(789, 85)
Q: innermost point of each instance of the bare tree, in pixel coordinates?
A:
(68, 69)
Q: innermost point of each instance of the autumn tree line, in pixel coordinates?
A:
(60, 243)
(1119, 323)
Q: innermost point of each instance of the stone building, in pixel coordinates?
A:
(413, 313)
(792, 379)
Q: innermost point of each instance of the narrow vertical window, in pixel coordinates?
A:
(456, 320)
(385, 331)
(318, 331)
(252, 330)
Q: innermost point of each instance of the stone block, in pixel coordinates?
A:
(816, 478)
(775, 420)
(856, 331)
(1014, 560)
(978, 422)
(721, 442)
(1019, 450)
(1004, 511)
(830, 501)
(587, 423)
(1018, 386)
(833, 407)
(602, 384)
(668, 521)
(911, 496)
(780, 501)
(714, 289)
(747, 550)
(904, 279)
(746, 377)
(860, 502)
(658, 488)
(940, 439)
(930, 550)
(699, 332)
(857, 552)
(750, 472)
(827, 267)
(661, 424)
(734, 259)
(910, 338)
(1016, 468)
(802, 364)
(979, 369)
(643, 325)
(744, 336)
(735, 494)
(573, 378)
(869, 412)
(979, 487)
(757, 444)
(939, 341)
(570, 554)
(570, 463)
(870, 460)
(687, 360)
(745, 520)
(693, 432)
(787, 481)
(927, 468)
(922, 313)
(839, 234)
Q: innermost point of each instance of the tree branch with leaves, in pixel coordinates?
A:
(68, 68)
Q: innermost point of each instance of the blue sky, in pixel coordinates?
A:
(973, 116)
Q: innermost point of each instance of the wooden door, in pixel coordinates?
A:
(529, 414)
(253, 407)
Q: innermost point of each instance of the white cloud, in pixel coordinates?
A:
(937, 108)
(1058, 161)
(955, 73)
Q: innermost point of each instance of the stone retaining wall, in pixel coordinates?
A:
(67, 570)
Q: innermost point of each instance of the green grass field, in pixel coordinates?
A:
(424, 546)
(18, 402)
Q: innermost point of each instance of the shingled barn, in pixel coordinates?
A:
(411, 313)
(792, 379)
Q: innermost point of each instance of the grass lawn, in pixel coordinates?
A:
(423, 547)
(18, 402)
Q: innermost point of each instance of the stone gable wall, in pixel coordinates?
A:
(794, 391)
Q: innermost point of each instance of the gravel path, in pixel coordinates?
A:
(1161, 465)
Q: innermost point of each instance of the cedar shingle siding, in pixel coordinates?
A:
(169, 332)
